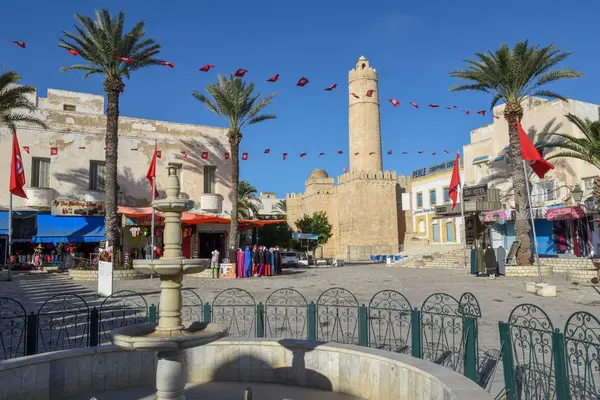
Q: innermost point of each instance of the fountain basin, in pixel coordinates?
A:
(171, 266)
(145, 337)
(173, 205)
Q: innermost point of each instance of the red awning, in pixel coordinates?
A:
(564, 213)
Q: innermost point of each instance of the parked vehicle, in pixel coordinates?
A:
(289, 259)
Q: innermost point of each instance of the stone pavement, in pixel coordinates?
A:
(496, 297)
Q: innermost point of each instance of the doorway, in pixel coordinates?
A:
(436, 232)
(208, 241)
(450, 231)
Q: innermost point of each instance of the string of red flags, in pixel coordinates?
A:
(242, 72)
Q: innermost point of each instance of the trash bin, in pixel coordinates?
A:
(388, 260)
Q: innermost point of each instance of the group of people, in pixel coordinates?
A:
(258, 261)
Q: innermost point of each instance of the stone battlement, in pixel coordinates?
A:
(374, 175)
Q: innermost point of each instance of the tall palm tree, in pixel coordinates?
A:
(282, 207)
(247, 200)
(511, 75)
(15, 107)
(235, 101)
(114, 54)
(585, 147)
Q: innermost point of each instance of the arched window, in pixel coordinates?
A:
(421, 226)
(364, 65)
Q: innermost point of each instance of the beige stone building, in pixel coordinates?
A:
(66, 162)
(365, 206)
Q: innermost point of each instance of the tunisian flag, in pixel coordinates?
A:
(151, 175)
(17, 172)
(530, 153)
(454, 182)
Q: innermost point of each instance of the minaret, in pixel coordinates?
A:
(363, 121)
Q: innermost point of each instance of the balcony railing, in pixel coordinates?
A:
(39, 197)
(211, 202)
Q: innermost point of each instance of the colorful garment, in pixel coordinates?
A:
(247, 262)
(240, 264)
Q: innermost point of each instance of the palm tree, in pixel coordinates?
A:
(15, 107)
(235, 101)
(247, 200)
(585, 147)
(511, 75)
(282, 207)
(114, 54)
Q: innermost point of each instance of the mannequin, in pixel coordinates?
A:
(501, 260)
(479, 260)
(490, 261)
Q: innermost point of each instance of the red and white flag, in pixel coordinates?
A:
(151, 174)
(17, 171)
(454, 182)
(395, 102)
(530, 153)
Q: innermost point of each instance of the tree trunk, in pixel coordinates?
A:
(113, 227)
(234, 142)
(523, 222)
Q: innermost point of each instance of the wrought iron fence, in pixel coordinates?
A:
(540, 362)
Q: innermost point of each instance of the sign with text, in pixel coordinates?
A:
(105, 278)
(471, 229)
(471, 192)
(72, 208)
(424, 211)
(444, 166)
(447, 209)
(308, 236)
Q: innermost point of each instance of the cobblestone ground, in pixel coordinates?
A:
(496, 297)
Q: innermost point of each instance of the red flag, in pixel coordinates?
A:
(267, 151)
(245, 156)
(446, 151)
(389, 152)
(330, 88)
(108, 149)
(468, 112)
(370, 93)
(184, 154)
(285, 155)
(371, 153)
(226, 155)
(151, 174)
(415, 105)
(20, 44)
(26, 148)
(530, 153)
(481, 112)
(53, 151)
(302, 154)
(345, 170)
(340, 152)
(241, 72)
(497, 117)
(434, 153)
(74, 52)
(421, 152)
(205, 155)
(17, 171)
(167, 64)
(273, 78)
(302, 82)
(321, 154)
(434, 105)
(206, 67)
(158, 154)
(357, 153)
(395, 102)
(454, 182)
(355, 95)
(126, 60)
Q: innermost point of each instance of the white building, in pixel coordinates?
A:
(269, 205)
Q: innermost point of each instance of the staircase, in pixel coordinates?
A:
(440, 257)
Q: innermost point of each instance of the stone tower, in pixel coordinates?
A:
(363, 121)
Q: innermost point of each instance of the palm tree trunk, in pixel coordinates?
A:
(522, 223)
(234, 142)
(113, 231)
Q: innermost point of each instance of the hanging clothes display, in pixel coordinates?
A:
(254, 261)
(479, 260)
(268, 259)
(239, 270)
(273, 258)
(261, 261)
(490, 261)
(501, 260)
(247, 262)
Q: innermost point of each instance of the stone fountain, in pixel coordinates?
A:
(170, 337)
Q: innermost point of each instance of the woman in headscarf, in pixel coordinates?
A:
(247, 262)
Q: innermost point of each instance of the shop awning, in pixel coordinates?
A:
(564, 213)
(480, 159)
(3, 222)
(53, 229)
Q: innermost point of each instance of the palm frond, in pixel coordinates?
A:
(15, 106)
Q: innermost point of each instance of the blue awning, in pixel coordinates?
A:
(499, 158)
(3, 222)
(53, 229)
(480, 159)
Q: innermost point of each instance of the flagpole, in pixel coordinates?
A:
(10, 212)
(153, 212)
(537, 254)
(462, 214)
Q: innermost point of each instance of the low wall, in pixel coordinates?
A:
(358, 371)
(118, 275)
(527, 270)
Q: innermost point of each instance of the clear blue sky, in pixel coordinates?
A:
(413, 45)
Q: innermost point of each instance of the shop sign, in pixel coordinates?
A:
(447, 209)
(72, 208)
(423, 211)
(444, 166)
(500, 215)
(471, 192)
(471, 229)
(565, 213)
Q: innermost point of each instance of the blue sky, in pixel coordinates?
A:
(413, 46)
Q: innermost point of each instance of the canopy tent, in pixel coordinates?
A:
(54, 229)
(196, 219)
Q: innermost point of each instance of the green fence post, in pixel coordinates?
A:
(508, 361)
(560, 366)
(363, 326)
(207, 313)
(260, 320)
(415, 332)
(470, 350)
(94, 332)
(312, 321)
(31, 344)
(152, 312)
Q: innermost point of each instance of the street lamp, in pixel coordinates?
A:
(577, 194)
